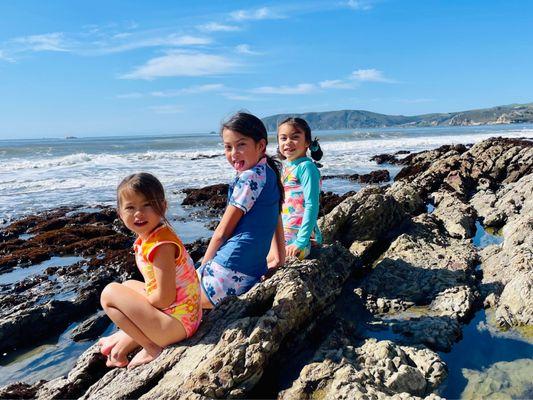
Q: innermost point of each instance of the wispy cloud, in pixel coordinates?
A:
(360, 4)
(257, 14)
(183, 63)
(135, 41)
(134, 95)
(167, 109)
(370, 75)
(5, 57)
(337, 84)
(46, 42)
(302, 88)
(246, 49)
(94, 40)
(217, 27)
(212, 87)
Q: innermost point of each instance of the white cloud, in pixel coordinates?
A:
(336, 84)
(302, 88)
(359, 4)
(245, 49)
(134, 95)
(239, 97)
(370, 75)
(260, 13)
(216, 27)
(5, 57)
(182, 63)
(136, 42)
(212, 87)
(46, 42)
(167, 109)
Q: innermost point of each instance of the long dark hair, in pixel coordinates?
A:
(147, 185)
(250, 126)
(301, 125)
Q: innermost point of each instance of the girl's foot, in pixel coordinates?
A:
(107, 343)
(145, 356)
(119, 354)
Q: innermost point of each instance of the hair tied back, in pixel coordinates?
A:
(316, 151)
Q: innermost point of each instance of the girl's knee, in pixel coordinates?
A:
(108, 294)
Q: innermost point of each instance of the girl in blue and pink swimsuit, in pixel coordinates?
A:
(301, 182)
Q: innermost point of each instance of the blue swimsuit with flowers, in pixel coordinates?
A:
(241, 260)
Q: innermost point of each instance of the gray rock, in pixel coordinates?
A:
(373, 369)
(91, 328)
(457, 216)
(420, 264)
(368, 215)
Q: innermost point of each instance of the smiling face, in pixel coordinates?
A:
(292, 142)
(242, 152)
(137, 213)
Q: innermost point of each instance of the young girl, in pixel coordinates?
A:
(301, 182)
(166, 307)
(236, 256)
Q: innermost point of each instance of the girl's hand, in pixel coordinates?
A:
(292, 251)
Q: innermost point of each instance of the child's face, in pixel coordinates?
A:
(137, 213)
(291, 142)
(242, 152)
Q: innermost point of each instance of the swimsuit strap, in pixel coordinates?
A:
(287, 172)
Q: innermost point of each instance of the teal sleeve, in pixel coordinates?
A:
(309, 176)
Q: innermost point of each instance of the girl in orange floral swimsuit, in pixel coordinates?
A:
(166, 308)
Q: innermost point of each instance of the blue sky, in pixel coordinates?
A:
(151, 67)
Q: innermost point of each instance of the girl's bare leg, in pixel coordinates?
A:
(108, 343)
(146, 325)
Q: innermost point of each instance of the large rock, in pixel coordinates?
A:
(507, 268)
(371, 369)
(229, 353)
(419, 265)
(458, 217)
(368, 215)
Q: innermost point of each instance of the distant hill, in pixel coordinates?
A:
(348, 119)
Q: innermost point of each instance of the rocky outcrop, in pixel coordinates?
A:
(344, 369)
(213, 196)
(378, 176)
(368, 215)
(232, 348)
(507, 268)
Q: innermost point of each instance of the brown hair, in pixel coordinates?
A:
(147, 185)
(250, 126)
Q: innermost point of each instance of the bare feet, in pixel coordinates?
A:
(145, 356)
(119, 353)
(107, 343)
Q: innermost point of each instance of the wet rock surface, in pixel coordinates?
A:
(381, 175)
(416, 276)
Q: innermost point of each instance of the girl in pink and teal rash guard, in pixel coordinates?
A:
(301, 182)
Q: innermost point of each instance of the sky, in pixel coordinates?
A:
(94, 68)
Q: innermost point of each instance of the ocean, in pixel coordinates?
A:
(42, 174)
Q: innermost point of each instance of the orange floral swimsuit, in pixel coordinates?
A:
(186, 308)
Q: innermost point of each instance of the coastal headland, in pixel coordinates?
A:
(371, 314)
